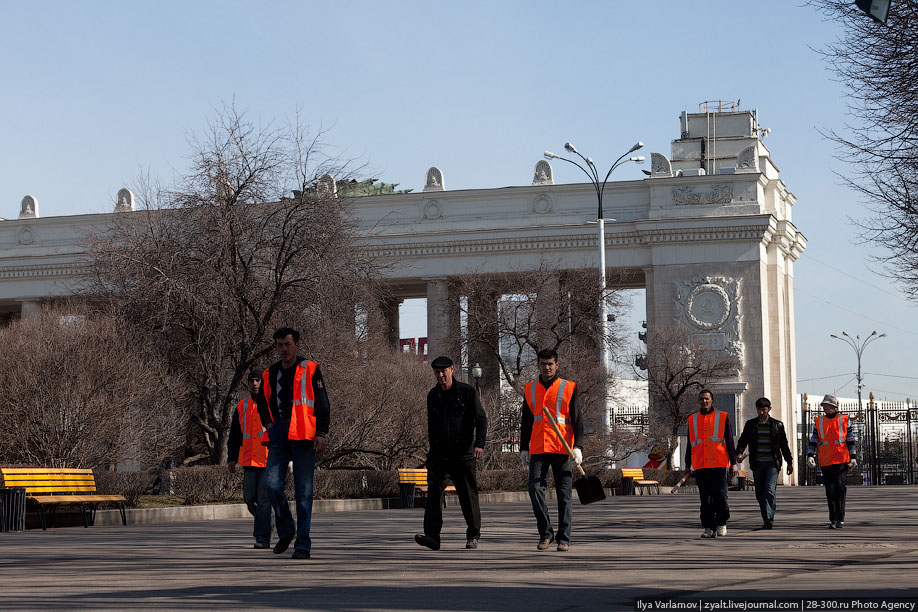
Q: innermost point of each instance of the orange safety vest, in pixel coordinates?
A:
(832, 448)
(302, 418)
(253, 452)
(706, 436)
(557, 398)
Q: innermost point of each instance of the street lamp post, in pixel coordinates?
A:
(476, 374)
(859, 345)
(599, 186)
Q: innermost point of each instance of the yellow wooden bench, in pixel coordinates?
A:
(639, 481)
(53, 487)
(414, 480)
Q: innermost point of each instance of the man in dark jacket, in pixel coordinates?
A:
(767, 442)
(457, 427)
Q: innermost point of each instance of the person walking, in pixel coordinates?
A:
(767, 442)
(709, 454)
(832, 442)
(247, 446)
(541, 448)
(294, 401)
(457, 429)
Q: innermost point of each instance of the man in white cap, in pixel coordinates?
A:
(832, 443)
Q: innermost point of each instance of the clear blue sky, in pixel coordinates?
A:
(94, 92)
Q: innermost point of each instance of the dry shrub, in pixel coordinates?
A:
(205, 484)
(79, 392)
(129, 483)
(503, 480)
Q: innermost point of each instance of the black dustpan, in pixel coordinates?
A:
(589, 488)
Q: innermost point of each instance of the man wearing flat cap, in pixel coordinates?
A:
(832, 444)
(457, 428)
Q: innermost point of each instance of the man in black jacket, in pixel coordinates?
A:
(457, 427)
(767, 442)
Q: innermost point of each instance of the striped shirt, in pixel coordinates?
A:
(764, 452)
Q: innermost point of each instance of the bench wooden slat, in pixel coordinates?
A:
(76, 499)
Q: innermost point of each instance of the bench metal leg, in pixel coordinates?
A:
(123, 513)
(84, 511)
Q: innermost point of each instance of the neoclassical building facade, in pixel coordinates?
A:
(708, 234)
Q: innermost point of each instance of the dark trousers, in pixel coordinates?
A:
(834, 478)
(255, 495)
(562, 470)
(766, 487)
(712, 488)
(462, 473)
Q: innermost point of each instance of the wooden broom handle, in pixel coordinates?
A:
(567, 447)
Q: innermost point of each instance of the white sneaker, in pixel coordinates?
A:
(721, 530)
(708, 533)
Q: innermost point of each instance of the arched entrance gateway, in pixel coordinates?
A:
(708, 234)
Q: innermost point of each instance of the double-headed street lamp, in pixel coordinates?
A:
(599, 186)
(859, 345)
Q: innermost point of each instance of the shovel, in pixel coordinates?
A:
(681, 481)
(589, 488)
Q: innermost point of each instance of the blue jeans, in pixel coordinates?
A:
(712, 489)
(255, 495)
(303, 455)
(766, 484)
(562, 469)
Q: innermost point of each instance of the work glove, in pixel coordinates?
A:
(524, 457)
(811, 461)
(852, 464)
(578, 456)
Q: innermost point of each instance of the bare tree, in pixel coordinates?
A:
(80, 392)
(679, 365)
(250, 240)
(878, 66)
(378, 398)
(545, 308)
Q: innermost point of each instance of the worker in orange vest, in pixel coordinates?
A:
(710, 454)
(294, 403)
(832, 442)
(541, 449)
(247, 447)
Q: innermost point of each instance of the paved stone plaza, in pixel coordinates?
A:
(623, 548)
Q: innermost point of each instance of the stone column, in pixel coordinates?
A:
(483, 338)
(389, 307)
(442, 319)
(549, 319)
(29, 309)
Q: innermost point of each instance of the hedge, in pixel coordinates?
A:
(216, 484)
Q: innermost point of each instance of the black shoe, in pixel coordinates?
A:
(832, 525)
(300, 554)
(282, 545)
(769, 524)
(839, 524)
(426, 540)
(471, 543)
(262, 545)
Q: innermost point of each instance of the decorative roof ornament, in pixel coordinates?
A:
(434, 181)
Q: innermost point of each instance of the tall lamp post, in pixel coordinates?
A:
(859, 345)
(599, 186)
